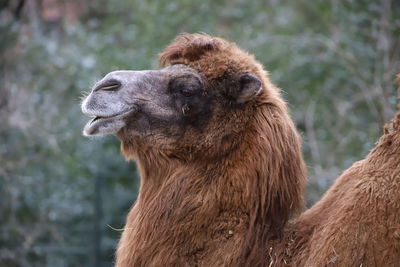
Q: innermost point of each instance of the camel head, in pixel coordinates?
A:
(184, 109)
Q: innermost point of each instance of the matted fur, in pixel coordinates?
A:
(233, 210)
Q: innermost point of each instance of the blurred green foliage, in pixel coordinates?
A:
(62, 195)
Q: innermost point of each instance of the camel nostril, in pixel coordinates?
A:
(109, 85)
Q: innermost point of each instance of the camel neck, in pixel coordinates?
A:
(177, 181)
(196, 212)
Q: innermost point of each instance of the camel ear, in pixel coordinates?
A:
(249, 87)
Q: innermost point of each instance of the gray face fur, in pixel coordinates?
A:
(123, 97)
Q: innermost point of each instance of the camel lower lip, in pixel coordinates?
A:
(100, 125)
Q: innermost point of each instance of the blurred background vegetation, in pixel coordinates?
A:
(63, 197)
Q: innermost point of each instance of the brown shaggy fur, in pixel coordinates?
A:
(219, 209)
(229, 205)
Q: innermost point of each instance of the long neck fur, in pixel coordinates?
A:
(217, 212)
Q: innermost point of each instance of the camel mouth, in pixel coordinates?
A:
(102, 125)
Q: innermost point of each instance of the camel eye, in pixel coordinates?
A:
(186, 92)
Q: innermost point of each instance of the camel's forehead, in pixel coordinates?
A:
(179, 69)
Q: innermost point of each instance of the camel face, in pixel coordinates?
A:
(167, 108)
(144, 102)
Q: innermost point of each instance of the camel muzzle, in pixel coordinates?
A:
(111, 101)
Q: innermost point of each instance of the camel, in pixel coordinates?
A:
(222, 174)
